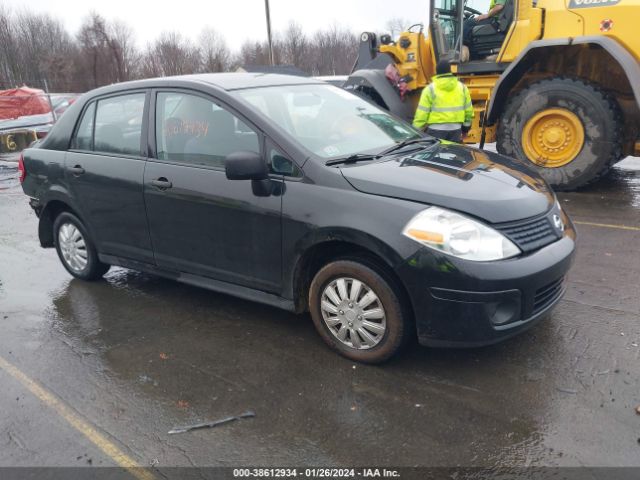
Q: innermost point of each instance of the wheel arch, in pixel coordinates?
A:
(55, 205)
(582, 58)
(321, 249)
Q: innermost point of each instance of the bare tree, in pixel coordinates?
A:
(295, 47)
(395, 26)
(214, 52)
(9, 59)
(257, 53)
(105, 50)
(171, 54)
(123, 36)
(334, 51)
(35, 49)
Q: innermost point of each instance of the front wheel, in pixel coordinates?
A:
(358, 312)
(76, 249)
(567, 129)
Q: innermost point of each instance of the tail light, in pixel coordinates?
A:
(21, 169)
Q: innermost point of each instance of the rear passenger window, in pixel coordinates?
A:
(119, 124)
(82, 140)
(191, 129)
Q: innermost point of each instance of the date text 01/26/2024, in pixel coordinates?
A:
(315, 473)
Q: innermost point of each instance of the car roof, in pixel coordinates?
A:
(224, 81)
(239, 80)
(58, 138)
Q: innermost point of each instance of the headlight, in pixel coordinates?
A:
(457, 235)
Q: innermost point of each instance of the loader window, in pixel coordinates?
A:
(479, 5)
(445, 27)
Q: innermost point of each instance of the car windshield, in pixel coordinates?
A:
(327, 120)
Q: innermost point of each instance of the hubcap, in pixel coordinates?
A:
(552, 138)
(73, 247)
(353, 313)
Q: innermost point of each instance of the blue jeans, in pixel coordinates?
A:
(450, 135)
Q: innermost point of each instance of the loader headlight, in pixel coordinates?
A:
(460, 236)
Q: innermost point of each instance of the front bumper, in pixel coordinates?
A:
(464, 304)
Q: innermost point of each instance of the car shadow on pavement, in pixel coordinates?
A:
(128, 306)
(189, 354)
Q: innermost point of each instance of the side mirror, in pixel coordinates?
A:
(245, 165)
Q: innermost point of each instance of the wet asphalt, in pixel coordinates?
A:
(135, 356)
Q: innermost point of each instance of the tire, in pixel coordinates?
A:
(598, 114)
(75, 248)
(378, 344)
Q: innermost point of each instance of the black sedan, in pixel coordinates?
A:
(295, 193)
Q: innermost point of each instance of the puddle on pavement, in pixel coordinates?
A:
(623, 180)
(8, 174)
(191, 354)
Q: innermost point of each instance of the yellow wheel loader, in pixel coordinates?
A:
(555, 83)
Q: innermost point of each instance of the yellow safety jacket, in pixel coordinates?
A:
(445, 104)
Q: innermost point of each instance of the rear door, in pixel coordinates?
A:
(200, 222)
(105, 171)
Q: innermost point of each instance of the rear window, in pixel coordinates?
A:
(112, 125)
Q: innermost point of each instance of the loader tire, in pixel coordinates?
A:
(567, 129)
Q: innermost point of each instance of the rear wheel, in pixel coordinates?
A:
(76, 249)
(566, 129)
(358, 312)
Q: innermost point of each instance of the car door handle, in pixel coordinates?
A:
(77, 170)
(161, 183)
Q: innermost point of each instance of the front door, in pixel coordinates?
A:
(200, 222)
(105, 170)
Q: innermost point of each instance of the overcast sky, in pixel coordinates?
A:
(237, 20)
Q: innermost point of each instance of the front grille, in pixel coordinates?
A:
(546, 295)
(529, 235)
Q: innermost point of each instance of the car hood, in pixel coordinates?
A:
(483, 184)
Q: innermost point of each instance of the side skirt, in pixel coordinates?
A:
(203, 282)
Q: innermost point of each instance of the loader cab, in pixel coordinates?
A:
(486, 40)
(480, 53)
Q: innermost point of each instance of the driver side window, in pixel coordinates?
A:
(193, 130)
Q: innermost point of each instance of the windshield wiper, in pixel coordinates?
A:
(357, 157)
(406, 143)
(360, 157)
